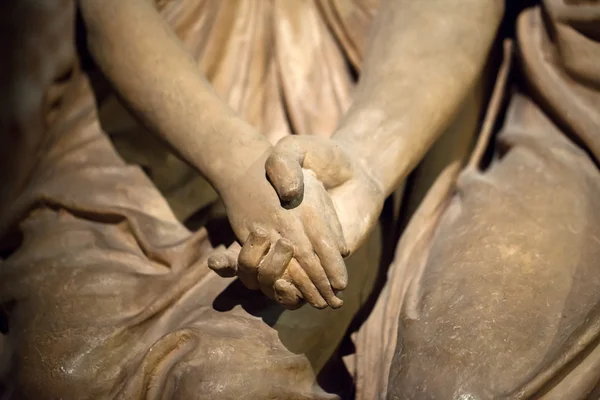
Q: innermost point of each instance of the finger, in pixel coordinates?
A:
(327, 250)
(312, 267)
(306, 287)
(287, 294)
(336, 227)
(338, 233)
(285, 174)
(331, 218)
(250, 256)
(273, 265)
(223, 264)
(320, 230)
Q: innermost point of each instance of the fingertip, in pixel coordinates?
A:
(319, 304)
(321, 300)
(339, 283)
(327, 255)
(330, 297)
(307, 287)
(336, 302)
(216, 261)
(316, 300)
(287, 295)
(285, 174)
(344, 250)
(221, 266)
(291, 192)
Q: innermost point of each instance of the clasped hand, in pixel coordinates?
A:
(289, 221)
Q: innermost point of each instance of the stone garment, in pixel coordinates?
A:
(108, 295)
(105, 293)
(494, 292)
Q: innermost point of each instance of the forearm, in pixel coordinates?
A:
(423, 59)
(161, 84)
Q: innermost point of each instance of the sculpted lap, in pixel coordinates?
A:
(506, 301)
(493, 289)
(127, 306)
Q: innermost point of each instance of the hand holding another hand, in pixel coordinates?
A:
(289, 254)
(295, 243)
(356, 197)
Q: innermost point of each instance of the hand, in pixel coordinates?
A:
(308, 238)
(356, 196)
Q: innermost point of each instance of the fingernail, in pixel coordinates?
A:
(293, 202)
(290, 191)
(336, 302)
(286, 177)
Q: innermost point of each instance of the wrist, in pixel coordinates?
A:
(226, 180)
(378, 143)
(362, 129)
(365, 173)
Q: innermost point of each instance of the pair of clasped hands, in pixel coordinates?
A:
(301, 207)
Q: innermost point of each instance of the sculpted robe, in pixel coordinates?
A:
(104, 292)
(107, 295)
(495, 281)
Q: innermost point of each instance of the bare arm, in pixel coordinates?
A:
(423, 59)
(160, 82)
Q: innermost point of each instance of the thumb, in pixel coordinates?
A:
(323, 156)
(284, 171)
